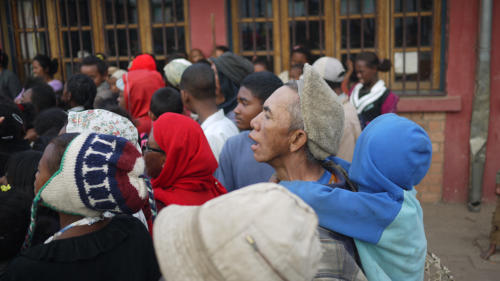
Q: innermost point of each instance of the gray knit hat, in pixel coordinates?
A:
(235, 67)
(323, 115)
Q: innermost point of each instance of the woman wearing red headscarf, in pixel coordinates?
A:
(180, 162)
(139, 87)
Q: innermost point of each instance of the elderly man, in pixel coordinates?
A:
(294, 144)
(299, 131)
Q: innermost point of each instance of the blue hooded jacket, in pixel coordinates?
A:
(391, 156)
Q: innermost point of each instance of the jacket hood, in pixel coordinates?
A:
(392, 153)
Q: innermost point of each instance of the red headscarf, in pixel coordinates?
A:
(139, 87)
(187, 175)
(144, 61)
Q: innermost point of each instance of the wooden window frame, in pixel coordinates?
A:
(384, 39)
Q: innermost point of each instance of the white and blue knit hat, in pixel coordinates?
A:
(98, 173)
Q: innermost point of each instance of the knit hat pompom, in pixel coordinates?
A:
(323, 115)
(98, 173)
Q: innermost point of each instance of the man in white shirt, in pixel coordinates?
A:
(198, 95)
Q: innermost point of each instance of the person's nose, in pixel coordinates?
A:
(255, 124)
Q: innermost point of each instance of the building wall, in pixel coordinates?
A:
(200, 12)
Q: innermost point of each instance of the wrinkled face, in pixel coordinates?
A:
(298, 58)
(26, 96)
(248, 107)
(271, 127)
(37, 69)
(43, 173)
(366, 75)
(112, 85)
(93, 72)
(153, 157)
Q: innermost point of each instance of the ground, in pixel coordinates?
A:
(457, 236)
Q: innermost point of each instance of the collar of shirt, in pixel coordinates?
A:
(212, 119)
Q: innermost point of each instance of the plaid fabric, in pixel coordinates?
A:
(340, 260)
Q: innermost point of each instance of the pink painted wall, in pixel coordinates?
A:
(200, 24)
(493, 144)
(460, 71)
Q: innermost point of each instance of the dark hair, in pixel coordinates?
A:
(199, 81)
(82, 90)
(42, 97)
(47, 64)
(301, 50)
(371, 59)
(262, 61)
(175, 55)
(165, 100)
(12, 127)
(262, 84)
(61, 143)
(222, 48)
(15, 209)
(102, 66)
(32, 81)
(21, 169)
(4, 59)
(53, 118)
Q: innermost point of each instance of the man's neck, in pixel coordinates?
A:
(204, 109)
(296, 166)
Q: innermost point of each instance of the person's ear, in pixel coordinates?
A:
(186, 99)
(152, 116)
(297, 140)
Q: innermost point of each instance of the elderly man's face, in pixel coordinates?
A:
(270, 128)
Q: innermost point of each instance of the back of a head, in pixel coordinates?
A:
(262, 84)
(82, 90)
(372, 60)
(331, 69)
(165, 100)
(199, 81)
(278, 245)
(391, 152)
(50, 119)
(102, 66)
(47, 64)
(21, 170)
(43, 97)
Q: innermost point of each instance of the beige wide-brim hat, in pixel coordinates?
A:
(261, 232)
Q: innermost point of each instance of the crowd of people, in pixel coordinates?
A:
(209, 169)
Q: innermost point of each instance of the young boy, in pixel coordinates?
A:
(237, 166)
(198, 95)
(165, 100)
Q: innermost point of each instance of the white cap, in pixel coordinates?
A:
(330, 69)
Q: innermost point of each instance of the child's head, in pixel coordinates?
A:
(197, 84)
(367, 65)
(254, 90)
(165, 100)
(95, 68)
(42, 97)
(80, 90)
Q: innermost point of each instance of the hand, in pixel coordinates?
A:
(31, 135)
(1, 119)
(350, 66)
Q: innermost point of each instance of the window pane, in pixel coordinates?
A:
(169, 13)
(122, 42)
(354, 6)
(416, 66)
(426, 5)
(260, 6)
(75, 44)
(25, 11)
(83, 9)
(411, 31)
(309, 37)
(426, 31)
(36, 43)
(121, 10)
(247, 36)
(70, 71)
(297, 8)
(405, 6)
(170, 40)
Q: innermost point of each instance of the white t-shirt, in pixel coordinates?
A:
(218, 128)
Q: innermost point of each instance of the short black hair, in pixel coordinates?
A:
(262, 84)
(47, 64)
(102, 66)
(199, 81)
(50, 119)
(301, 49)
(61, 143)
(165, 100)
(262, 61)
(21, 169)
(82, 90)
(43, 97)
(222, 48)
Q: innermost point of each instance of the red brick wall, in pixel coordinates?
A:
(430, 189)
